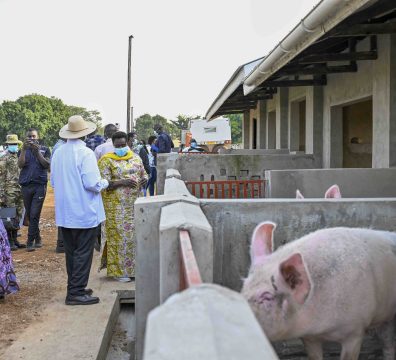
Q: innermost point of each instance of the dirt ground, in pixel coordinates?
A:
(41, 274)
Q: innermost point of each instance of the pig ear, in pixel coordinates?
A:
(333, 192)
(296, 277)
(262, 241)
(299, 195)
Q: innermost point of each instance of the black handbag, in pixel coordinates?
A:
(9, 218)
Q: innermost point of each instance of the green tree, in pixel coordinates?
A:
(183, 121)
(236, 127)
(46, 114)
(145, 124)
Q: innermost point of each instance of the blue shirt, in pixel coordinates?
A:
(94, 141)
(33, 172)
(164, 143)
(77, 183)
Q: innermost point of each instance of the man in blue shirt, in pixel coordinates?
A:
(79, 208)
(94, 140)
(34, 162)
(164, 141)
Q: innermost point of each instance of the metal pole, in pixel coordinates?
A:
(132, 120)
(128, 124)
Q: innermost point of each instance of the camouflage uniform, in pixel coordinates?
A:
(10, 190)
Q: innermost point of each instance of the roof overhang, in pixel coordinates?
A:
(323, 43)
(232, 85)
(320, 20)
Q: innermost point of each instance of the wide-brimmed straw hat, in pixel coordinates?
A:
(76, 128)
(13, 139)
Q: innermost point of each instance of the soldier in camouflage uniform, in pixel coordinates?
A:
(10, 190)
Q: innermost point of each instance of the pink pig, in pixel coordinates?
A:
(330, 285)
(333, 192)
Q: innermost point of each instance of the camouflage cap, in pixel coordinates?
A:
(13, 139)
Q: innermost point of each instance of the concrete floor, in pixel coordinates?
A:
(71, 332)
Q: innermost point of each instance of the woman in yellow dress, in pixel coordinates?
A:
(126, 175)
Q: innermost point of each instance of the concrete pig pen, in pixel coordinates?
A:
(198, 167)
(233, 222)
(353, 183)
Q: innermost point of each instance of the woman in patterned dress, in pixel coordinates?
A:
(126, 175)
(8, 281)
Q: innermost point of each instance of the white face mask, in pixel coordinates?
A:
(155, 133)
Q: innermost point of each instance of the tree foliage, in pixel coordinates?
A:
(183, 121)
(47, 114)
(236, 127)
(144, 126)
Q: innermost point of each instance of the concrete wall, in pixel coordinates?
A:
(233, 222)
(353, 183)
(227, 167)
(206, 322)
(158, 220)
(341, 90)
(254, 152)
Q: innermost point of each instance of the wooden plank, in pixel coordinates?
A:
(189, 264)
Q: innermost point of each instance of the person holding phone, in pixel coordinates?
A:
(34, 162)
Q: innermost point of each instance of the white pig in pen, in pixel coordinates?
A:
(333, 192)
(330, 285)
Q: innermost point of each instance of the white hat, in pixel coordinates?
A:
(76, 128)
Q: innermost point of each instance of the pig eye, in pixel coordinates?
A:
(264, 296)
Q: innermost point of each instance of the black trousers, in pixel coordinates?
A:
(79, 245)
(59, 241)
(33, 200)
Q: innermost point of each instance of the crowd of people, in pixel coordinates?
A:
(96, 180)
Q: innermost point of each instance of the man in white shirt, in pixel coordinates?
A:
(107, 147)
(79, 209)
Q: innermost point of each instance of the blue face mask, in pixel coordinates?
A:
(12, 148)
(121, 151)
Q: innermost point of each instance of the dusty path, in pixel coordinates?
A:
(41, 276)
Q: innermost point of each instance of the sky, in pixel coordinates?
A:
(183, 51)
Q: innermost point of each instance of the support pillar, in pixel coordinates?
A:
(246, 129)
(294, 126)
(271, 130)
(336, 138)
(314, 123)
(384, 103)
(282, 113)
(262, 124)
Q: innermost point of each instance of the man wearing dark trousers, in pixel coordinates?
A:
(34, 162)
(79, 209)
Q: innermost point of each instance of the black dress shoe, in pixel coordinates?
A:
(81, 300)
(88, 291)
(19, 245)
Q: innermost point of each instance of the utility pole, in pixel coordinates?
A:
(132, 120)
(128, 124)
